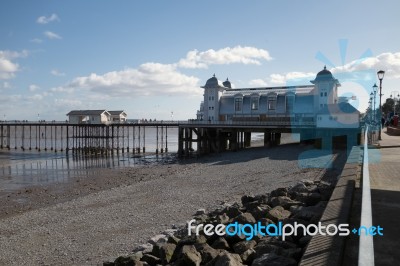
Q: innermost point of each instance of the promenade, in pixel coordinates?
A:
(384, 172)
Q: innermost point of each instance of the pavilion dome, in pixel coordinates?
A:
(212, 82)
(324, 75)
(227, 83)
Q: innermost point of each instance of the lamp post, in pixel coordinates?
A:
(375, 89)
(370, 108)
(380, 74)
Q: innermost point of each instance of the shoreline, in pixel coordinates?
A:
(94, 220)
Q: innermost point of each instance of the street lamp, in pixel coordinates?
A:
(375, 89)
(380, 74)
(370, 108)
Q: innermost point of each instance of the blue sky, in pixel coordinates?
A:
(150, 58)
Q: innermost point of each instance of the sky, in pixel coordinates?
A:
(150, 57)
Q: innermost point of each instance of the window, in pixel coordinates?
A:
(325, 94)
(254, 103)
(212, 98)
(238, 104)
(212, 108)
(272, 103)
(289, 103)
(322, 94)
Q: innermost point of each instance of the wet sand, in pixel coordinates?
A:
(89, 220)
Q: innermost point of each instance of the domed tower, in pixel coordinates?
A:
(326, 87)
(227, 83)
(212, 92)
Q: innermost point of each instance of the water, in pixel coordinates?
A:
(19, 169)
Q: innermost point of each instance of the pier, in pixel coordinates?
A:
(91, 139)
(194, 137)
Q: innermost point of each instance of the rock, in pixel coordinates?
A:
(251, 205)
(231, 211)
(242, 246)
(262, 199)
(227, 259)
(279, 192)
(173, 240)
(223, 218)
(156, 249)
(158, 239)
(272, 259)
(234, 239)
(266, 247)
(278, 213)
(245, 218)
(246, 199)
(298, 188)
(166, 252)
(303, 241)
(137, 255)
(248, 256)
(150, 259)
(284, 201)
(200, 212)
(145, 248)
(325, 189)
(309, 199)
(307, 182)
(309, 213)
(202, 219)
(220, 243)
(207, 253)
(127, 261)
(108, 263)
(192, 239)
(169, 232)
(190, 256)
(260, 211)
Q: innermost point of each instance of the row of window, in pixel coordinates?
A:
(254, 104)
(324, 94)
(211, 98)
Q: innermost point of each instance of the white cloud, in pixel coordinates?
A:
(258, 83)
(147, 79)
(52, 35)
(57, 73)
(36, 40)
(45, 20)
(238, 54)
(33, 87)
(8, 68)
(6, 85)
(389, 62)
(36, 97)
(291, 77)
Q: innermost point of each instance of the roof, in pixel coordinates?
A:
(116, 112)
(213, 82)
(305, 89)
(324, 75)
(339, 108)
(87, 112)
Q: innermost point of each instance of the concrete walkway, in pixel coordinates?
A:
(384, 172)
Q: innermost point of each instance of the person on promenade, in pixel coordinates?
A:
(383, 121)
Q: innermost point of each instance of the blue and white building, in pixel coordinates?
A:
(317, 103)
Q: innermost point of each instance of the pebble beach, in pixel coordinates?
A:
(91, 220)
